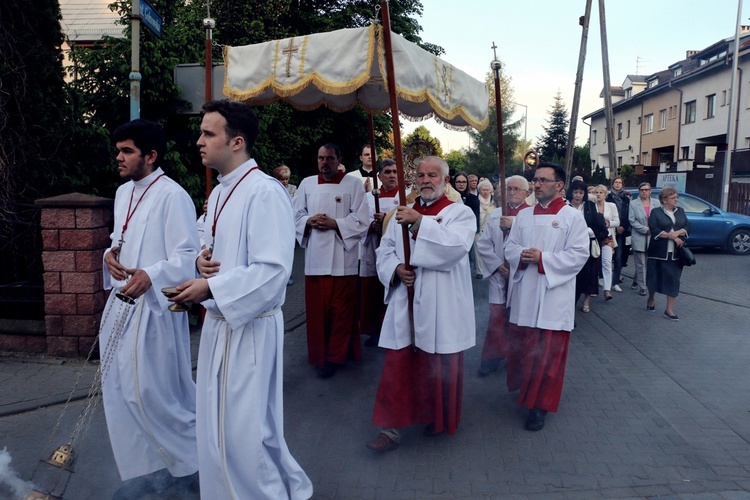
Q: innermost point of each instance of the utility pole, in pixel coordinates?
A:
(607, 91)
(733, 107)
(584, 21)
(135, 75)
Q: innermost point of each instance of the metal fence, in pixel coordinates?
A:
(21, 269)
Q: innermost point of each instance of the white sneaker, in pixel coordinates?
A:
(617, 288)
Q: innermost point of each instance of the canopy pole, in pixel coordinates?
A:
(373, 156)
(495, 65)
(397, 151)
(209, 24)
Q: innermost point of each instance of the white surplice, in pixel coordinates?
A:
(490, 249)
(332, 252)
(443, 298)
(149, 394)
(546, 301)
(242, 450)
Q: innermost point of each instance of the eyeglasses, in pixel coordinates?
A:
(542, 181)
(513, 190)
(645, 189)
(460, 182)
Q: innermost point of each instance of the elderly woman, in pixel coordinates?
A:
(611, 220)
(669, 226)
(640, 209)
(283, 174)
(486, 206)
(587, 278)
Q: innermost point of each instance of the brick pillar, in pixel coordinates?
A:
(75, 233)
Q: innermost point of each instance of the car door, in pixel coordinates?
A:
(706, 223)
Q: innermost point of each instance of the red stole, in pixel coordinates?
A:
(514, 211)
(554, 207)
(388, 194)
(336, 179)
(432, 209)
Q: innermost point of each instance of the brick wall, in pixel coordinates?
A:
(75, 233)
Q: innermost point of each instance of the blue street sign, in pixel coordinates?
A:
(151, 18)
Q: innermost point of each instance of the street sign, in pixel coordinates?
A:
(151, 18)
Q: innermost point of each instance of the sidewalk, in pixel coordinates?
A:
(650, 408)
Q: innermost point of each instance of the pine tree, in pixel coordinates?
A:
(551, 146)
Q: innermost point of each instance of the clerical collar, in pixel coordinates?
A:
(516, 207)
(237, 173)
(336, 179)
(552, 207)
(146, 181)
(366, 173)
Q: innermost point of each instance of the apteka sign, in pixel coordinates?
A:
(672, 179)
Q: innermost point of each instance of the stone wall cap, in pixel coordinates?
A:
(74, 200)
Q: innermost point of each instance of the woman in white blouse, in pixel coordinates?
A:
(612, 220)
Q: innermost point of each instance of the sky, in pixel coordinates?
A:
(539, 41)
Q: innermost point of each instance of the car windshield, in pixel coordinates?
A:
(692, 205)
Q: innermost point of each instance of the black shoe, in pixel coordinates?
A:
(186, 487)
(650, 308)
(328, 371)
(488, 366)
(673, 317)
(634, 286)
(372, 341)
(535, 420)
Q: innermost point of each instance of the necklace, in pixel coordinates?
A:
(131, 212)
(217, 213)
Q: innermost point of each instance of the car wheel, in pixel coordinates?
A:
(739, 242)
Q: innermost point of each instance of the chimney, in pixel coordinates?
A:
(690, 53)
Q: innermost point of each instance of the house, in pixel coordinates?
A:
(676, 119)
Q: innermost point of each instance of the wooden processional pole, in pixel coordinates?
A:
(399, 157)
(495, 65)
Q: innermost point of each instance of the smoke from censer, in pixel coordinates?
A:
(8, 477)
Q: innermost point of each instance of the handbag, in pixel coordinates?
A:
(685, 256)
(595, 251)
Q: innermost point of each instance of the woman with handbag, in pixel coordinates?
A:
(640, 209)
(669, 230)
(612, 220)
(587, 278)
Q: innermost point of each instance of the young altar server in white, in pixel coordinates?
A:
(422, 383)
(244, 272)
(149, 394)
(547, 246)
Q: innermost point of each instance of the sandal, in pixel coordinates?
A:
(586, 309)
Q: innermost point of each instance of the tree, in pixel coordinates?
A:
(481, 156)
(552, 145)
(287, 135)
(581, 161)
(34, 138)
(456, 160)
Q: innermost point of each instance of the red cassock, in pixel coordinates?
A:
(541, 363)
(420, 388)
(330, 306)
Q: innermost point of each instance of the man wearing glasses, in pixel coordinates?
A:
(547, 246)
(332, 216)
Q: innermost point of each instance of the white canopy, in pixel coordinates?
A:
(343, 68)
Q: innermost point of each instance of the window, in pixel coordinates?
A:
(649, 123)
(628, 93)
(619, 131)
(690, 112)
(619, 164)
(723, 97)
(663, 119)
(645, 158)
(685, 152)
(672, 112)
(653, 83)
(593, 137)
(628, 131)
(710, 106)
(677, 72)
